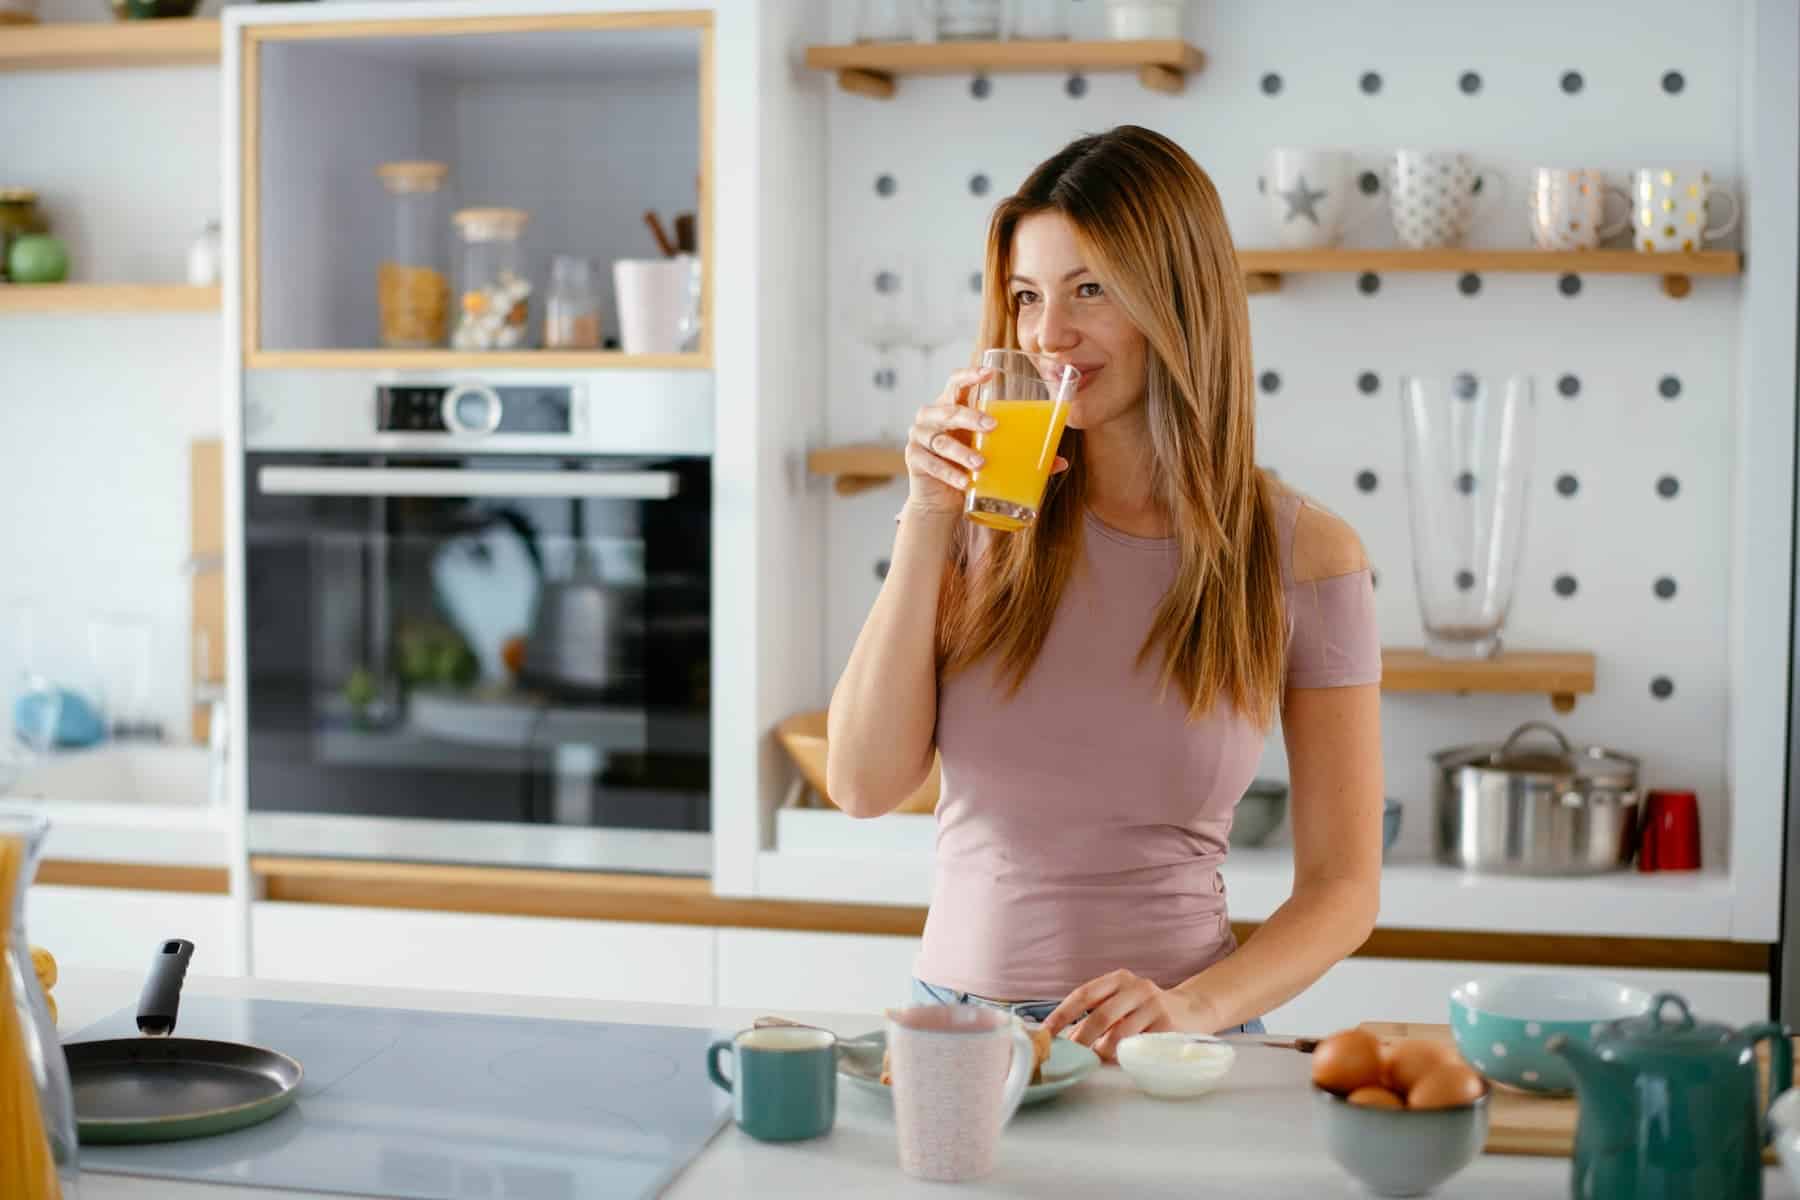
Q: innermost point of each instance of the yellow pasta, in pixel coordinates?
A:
(27, 1171)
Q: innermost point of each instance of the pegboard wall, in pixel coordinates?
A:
(1629, 530)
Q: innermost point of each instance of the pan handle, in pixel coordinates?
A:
(161, 998)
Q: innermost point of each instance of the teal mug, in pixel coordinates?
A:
(784, 1084)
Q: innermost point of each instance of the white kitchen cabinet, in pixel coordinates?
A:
(114, 927)
(783, 971)
(1378, 989)
(540, 956)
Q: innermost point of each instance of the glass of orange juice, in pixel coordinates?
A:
(1028, 396)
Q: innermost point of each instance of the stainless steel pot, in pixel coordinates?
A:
(1511, 810)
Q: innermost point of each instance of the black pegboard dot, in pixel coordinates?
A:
(1262, 185)
(1569, 285)
(1662, 687)
(881, 567)
(1469, 284)
(1567, 484)
(1469, 82)
(1664, 588)
(1465, 483)
(885, 185)
(886, 283)
(1669, 387)
(1368, 383)
(1569, 386)
(1572, 82)
(975, 282)
(1269, 382)
(1673, 82)
(1366, 481)
(1076, 87)
(1464, 385)
(886, 378)
(1369, 182)
(1374, 578)
(1271, 84)
(978, 184)
(981, 87)
(1668, 487)
(1475, 188)
(1370, 83)
(1368, 283)
(1465, 579)
(1565, 585)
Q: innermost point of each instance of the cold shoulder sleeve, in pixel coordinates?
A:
(1334, 639)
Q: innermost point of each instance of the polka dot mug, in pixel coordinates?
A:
(1433, 196)
(1669, 207)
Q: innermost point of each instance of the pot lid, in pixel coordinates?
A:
(1607, 768)
(1667, 1027)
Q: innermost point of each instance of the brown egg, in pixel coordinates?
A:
(1405, 1063)
(1451, 1086)
(1375, 1097)
(1346, 1061)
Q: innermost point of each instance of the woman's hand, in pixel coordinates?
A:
(1119, 1005)
(938, 462)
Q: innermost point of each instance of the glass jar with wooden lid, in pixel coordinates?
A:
(411, 282)
(494, 294)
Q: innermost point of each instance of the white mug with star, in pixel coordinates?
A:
(1568, 208)
(1669, 207)
(1433, 196)
(1308, 193)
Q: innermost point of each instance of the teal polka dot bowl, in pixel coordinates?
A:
(1502, 1023)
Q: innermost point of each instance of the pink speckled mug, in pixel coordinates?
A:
(959, 1074)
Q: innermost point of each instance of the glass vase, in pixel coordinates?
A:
(1468, 468)
(37, 1112)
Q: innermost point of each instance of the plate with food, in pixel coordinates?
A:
(1060, 1065)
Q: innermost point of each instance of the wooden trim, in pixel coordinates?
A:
(107, 298)
(250, 177)
(958, 58)
(667, 900)
(707, 170)
(1584, 262)
(65, 45)
(475, 26)
(449, 360)
(136, 877)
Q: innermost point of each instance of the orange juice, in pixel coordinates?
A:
(1020, 451)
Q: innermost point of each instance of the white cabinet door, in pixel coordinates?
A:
(670, 964)
(113, 927)
(782, 971)
(1377, 989)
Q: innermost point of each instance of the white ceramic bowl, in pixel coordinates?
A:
(1175, 1066)
(1784, 1115)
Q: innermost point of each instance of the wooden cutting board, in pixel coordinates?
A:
(1521, 1122)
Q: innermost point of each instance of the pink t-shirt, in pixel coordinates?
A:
(1082, 821)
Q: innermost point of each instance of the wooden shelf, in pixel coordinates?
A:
(447, 360)
(171, 42)
(106, 297)
(1265, 268)
(870, 69)
(1560, 674)
(857, 468)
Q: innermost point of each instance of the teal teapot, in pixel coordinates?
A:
(1669, 1106)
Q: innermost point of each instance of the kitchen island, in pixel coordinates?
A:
(1253, 1137)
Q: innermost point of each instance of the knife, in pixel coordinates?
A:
(1303, 1045)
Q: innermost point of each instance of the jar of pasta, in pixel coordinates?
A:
(493, 293)
(411, 282)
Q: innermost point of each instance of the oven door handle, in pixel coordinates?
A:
(458, 484)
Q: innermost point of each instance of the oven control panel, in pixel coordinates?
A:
(476, 409)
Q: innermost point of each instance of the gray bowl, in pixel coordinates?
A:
(1259, 813)
(1393, 1152)
(1390, 826)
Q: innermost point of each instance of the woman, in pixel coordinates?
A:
(1100, 684)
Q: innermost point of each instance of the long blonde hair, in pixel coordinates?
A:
(1151, 227)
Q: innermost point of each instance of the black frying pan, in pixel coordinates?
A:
(159, 1088)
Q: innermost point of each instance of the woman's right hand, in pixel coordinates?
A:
(939, 463)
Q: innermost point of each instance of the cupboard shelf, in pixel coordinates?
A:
(1264, 269)
(106, 297)
(857, 468)
(469, 360)
(871, 69)
(173, 42)
(1560, 674)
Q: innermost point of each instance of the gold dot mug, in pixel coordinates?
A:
(1568, 208)
(1669, 209)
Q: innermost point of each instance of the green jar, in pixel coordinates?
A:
(19, 216)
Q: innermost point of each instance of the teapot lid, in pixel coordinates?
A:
(1658, 1031)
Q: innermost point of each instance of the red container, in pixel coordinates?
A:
(1671, 836)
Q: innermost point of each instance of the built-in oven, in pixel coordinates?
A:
(477, 617)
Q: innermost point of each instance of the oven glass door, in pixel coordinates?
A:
(513, 640)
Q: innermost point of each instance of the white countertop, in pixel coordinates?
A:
(825, 855)
(1253, 1137)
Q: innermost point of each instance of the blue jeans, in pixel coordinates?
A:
(1028, 1010)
